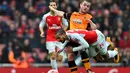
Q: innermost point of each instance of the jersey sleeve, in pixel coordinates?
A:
(43, 22)
(67, 15)
(64, 22)
(81, 41)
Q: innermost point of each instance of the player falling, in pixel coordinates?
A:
(86, 39)
(53, 23)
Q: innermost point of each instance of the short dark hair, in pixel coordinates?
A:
(60, 32)
(81, 1)
(52, 1)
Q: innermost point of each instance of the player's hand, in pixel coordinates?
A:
(51, 8)
(42, 34)
(89, 21)
(57, 12)
(69, 49)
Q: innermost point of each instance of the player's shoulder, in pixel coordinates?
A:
(47, 14)
(75, 13)
(72, 34)
(75, 36)
(89, 15)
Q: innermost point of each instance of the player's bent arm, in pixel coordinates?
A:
(63, 47)
(92, 24)
(61, 13)
(57, 12)
(41, 29)
(41, 25)
(83, 43)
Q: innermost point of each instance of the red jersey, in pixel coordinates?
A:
(54, 23)
(89, 36)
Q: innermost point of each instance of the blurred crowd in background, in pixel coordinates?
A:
(19, 26)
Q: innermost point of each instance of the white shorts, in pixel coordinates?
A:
(51, 48)
(52, 45)
(101, 45)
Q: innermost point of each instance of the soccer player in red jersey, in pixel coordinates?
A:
(87, 39)
(53, 24)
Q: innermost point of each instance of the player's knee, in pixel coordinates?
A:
(70, 57)
(59, 57)
(53, 56)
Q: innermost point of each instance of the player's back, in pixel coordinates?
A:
(89, 36)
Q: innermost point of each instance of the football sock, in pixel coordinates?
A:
(85, 60)
(73, 67)
(54, 64)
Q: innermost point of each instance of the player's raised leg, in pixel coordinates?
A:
(102, 47)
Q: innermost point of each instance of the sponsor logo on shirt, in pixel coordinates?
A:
(54, 26)
(77, 21)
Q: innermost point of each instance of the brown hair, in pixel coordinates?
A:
(60, 32)
(81, 1)
(52, 1)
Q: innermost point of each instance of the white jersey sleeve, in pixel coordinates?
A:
(43, 22)
(80, 40)
(64, 22)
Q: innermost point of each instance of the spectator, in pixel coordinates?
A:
(17, 56)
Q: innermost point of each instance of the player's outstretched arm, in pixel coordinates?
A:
(57, 12)
(83, 43)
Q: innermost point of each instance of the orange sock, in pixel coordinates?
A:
(85, 60)
(86, 63)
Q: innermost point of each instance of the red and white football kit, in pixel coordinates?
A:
(88, 39)
(53, 24)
